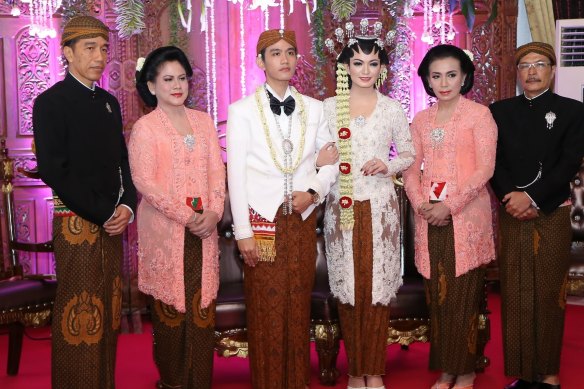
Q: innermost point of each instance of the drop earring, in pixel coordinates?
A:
(381, 79)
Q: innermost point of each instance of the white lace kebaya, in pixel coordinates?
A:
(371, 139)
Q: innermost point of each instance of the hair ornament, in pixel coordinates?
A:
(140, 63)
(469, 54)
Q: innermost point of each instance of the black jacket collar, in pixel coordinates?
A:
(78, 89)
(542, 100)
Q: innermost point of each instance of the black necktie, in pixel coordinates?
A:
(289, 104)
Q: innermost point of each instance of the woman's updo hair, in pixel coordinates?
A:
(151, 68)
(365, 46)
(442, 52)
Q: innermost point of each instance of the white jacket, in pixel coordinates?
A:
(254, 180)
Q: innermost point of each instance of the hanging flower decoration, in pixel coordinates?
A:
(186, 22)
(263, 4)
(130, 19)
(308, 11)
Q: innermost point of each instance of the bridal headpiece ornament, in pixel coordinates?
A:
(348, 37)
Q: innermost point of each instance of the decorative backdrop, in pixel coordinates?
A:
(220, 37)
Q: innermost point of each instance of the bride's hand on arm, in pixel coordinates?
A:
(327, 155)
(374, 166)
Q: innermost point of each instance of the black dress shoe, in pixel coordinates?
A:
(521, 384)
(543, 385)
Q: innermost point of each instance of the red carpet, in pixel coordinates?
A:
(405, 369)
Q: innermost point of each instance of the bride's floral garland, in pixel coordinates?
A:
(345, 148)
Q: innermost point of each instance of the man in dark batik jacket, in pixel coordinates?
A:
(82, 156)
(540, 148)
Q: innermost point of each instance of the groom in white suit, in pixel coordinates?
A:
(272, 139)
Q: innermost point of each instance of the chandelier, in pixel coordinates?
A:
(41, 17)
(436, 23)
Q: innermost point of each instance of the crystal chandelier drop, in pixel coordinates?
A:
(41, 17)
(310, 6)
(436, 23)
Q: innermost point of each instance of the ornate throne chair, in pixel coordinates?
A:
(25, 300)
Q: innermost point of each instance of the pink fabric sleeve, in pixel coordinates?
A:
(144, 159)
(485, 143)
(215, 172)
(412, 182)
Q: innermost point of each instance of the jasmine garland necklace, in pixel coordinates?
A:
(287, 146)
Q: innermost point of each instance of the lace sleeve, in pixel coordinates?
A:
(215, 173)
(412, 183)
(143, 155)
(485, 144)
(326, 175)
(403, 141)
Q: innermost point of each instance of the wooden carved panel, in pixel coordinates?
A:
(24, 160)
(24, 219)
(152, 35)
(34, 75)
(197, 90)
(504, 40)
(484, 90)
(303, 79)
(107, 9)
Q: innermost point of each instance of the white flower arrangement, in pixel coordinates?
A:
(140, 63)
(469, 54)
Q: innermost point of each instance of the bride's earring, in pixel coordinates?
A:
(381, 79)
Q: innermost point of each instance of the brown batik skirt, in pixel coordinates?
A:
(454, 304)
(364, 325)
(87, 310)
(533, 268)
(277, 296)
(184, 342)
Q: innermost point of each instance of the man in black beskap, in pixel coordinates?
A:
(82, 156)
(540, 148)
